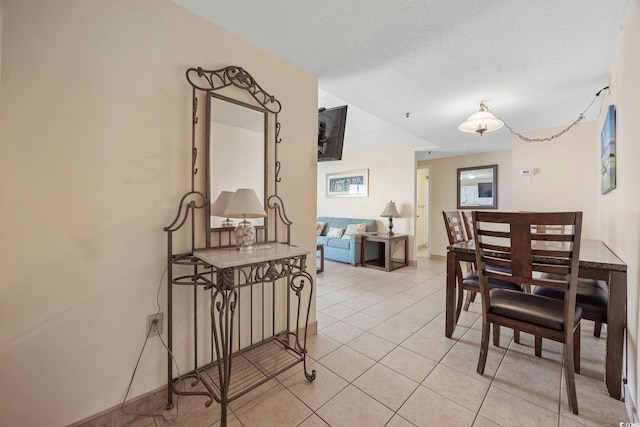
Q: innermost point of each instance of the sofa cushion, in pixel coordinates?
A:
(338, 222)
(335, 232)
(344, 222)
(348, 249)
(320, 228)
(339, 243)
(322, 240)
(354, 229)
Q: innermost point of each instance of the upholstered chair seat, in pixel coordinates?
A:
(537, 310)
(592, 295)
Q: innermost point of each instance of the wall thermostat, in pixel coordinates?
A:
(526, 175)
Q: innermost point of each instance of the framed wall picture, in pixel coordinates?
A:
(348, 184)
(608, 152)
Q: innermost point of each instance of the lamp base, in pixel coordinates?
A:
(390, 233)
(245, 236)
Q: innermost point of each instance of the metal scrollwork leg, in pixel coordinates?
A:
(298, 282)
(223, 306)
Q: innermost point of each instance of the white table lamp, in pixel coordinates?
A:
(245, 204)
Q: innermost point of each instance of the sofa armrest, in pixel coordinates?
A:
(357, 237)
(356, 245)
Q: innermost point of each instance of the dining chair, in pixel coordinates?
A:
(592, 295)
(467, 220)
(456, 234)
(507, 241)
(470, 281)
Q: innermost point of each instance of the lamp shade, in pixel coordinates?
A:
(244, 204)
(219, 207)
(481, 122)
(390, 211)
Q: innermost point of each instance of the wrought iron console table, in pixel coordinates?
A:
(245, 319)
(258, 322)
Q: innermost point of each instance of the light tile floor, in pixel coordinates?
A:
(382, 359)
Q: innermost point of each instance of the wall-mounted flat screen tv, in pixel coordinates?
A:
(331, 123)
(485, 189)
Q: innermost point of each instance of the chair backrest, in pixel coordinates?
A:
(510, 247)
(467, 218)
(454, 226)
(547, 228)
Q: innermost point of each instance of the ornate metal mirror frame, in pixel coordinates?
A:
(212, 83)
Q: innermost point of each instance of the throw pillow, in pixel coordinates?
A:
(335, 232)
(320, 228)
(354, 229)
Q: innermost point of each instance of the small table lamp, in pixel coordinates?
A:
(245, 204)
(390, 212)
(220, 206)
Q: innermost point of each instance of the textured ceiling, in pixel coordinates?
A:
(536, 64)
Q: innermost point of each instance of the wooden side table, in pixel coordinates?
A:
(384, 243)
(320, 247)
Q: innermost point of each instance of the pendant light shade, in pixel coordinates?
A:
(481, 122)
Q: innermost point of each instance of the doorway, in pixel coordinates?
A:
(423, 220)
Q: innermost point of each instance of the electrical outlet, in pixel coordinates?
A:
(154, 324)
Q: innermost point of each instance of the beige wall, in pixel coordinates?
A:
(565, 177)
(94, 156)
(619, 210)
(443, 179)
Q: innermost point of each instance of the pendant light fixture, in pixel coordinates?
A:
(486, 121)
(481, 122)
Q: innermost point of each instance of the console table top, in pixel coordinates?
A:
(227, 258)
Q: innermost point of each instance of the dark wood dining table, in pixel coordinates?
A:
(598, 262)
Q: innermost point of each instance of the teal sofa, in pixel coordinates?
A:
(346, 250)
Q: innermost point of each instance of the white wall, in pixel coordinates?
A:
(95, 116)
(619, 210)
(565, 177)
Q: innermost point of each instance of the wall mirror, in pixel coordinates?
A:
(240, 134)
(478, 187)
(237, 149)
